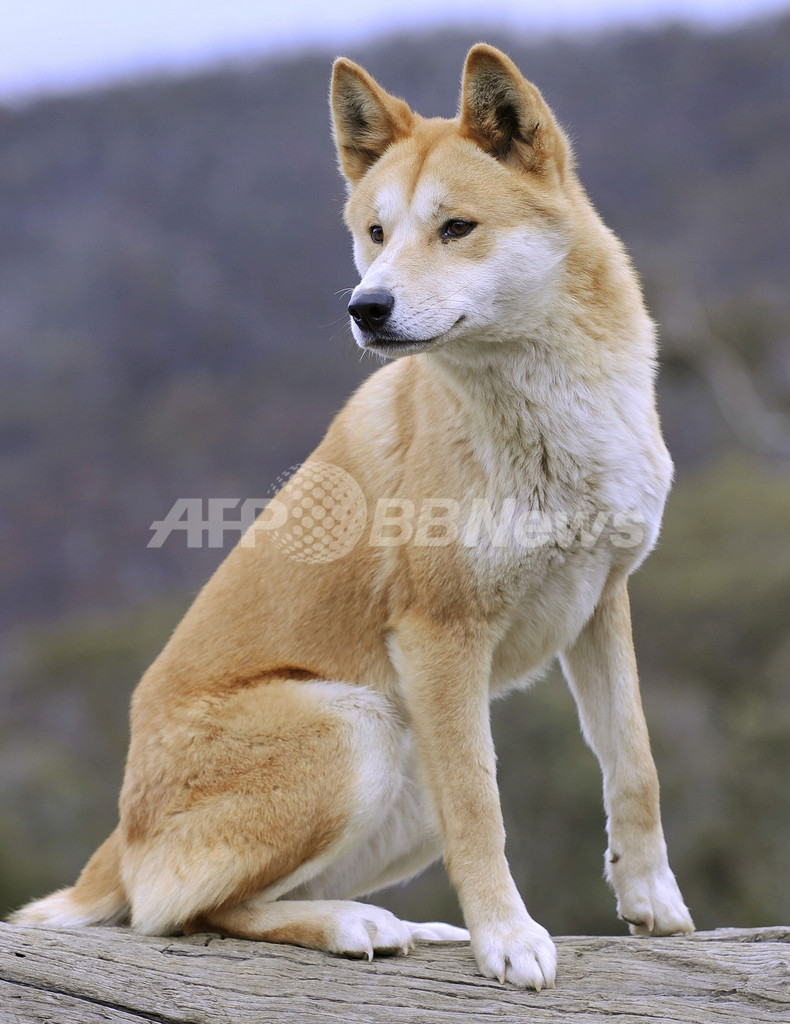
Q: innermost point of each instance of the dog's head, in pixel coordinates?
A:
(459, 226)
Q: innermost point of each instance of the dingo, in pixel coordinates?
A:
(317, 727)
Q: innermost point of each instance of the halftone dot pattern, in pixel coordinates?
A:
(326, 513)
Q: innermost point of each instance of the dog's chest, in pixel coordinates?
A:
(554, 524)
(540, 566)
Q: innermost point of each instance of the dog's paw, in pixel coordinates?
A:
(652, 904)
(436, 931)
(362, 930)
(523, 955)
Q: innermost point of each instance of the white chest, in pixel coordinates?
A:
(547, 548)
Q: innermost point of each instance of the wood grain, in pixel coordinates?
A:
(729, 976)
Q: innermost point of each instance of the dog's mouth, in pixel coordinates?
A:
(392, 345)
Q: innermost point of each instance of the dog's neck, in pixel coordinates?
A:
(537, 420)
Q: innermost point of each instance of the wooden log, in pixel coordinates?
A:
(729, 976)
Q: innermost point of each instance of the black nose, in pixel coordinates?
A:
(371, 310)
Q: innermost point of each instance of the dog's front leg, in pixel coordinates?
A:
(444, 669)
(601, 671)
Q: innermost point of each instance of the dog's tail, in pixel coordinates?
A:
(98, 897)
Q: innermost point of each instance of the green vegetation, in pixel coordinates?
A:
(172, 266)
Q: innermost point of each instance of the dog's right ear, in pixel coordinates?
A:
(365, 119)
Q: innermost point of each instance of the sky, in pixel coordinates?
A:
(51, 46)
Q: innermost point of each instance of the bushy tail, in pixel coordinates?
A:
(97, 898)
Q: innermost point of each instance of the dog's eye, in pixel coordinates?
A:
(457, 228)
(377, 233)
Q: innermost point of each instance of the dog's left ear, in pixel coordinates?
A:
(507, 116)
(366, 120)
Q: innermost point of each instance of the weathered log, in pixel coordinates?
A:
(732, 976)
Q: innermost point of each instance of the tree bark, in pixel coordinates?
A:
(732, 976)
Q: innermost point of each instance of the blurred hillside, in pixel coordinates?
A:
(172, 323)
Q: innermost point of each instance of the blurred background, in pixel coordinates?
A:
(172, 324)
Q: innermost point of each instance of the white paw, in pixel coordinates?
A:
(651, 904)
(362, 930)
(436, 931)
(524, 955)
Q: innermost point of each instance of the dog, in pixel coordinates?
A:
(317, 727)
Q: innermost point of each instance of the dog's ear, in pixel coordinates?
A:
(365, 118)
(507, 116)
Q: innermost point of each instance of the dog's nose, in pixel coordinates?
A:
(371, 310)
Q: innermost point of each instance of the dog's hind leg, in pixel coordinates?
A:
(601, 671)
(259, 794)
(248, 791)
(405, 842)
(352, 929)
(335, 926)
